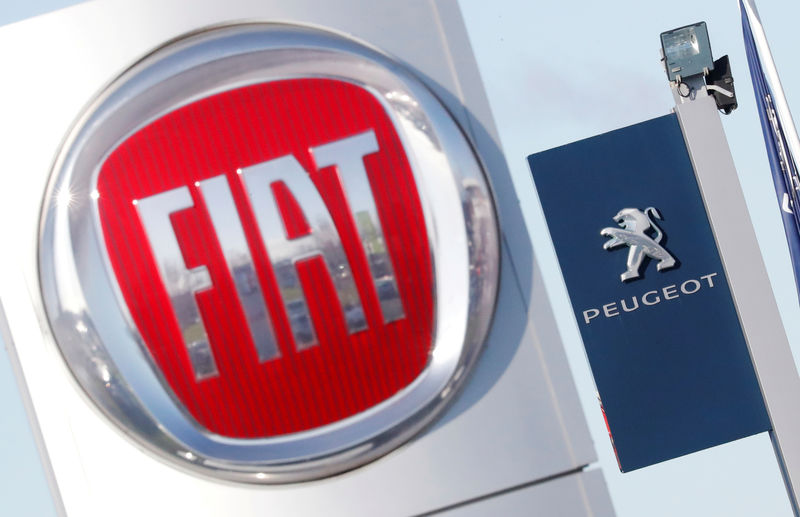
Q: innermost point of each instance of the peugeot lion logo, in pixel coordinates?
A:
(633, 232)
(634, 223)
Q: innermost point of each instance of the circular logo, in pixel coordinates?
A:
(268, 253)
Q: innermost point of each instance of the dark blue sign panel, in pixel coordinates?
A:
(649, 292)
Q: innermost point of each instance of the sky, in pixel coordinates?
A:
(554, 73)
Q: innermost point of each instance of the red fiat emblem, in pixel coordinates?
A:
(268, 253)
(270, 245)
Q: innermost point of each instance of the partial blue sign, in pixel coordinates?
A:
(649, 292)
(785, 173)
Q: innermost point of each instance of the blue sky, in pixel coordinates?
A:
(557, 72)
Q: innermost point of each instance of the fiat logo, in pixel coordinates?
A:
(268, 253)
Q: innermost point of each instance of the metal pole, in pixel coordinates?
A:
(747, 277)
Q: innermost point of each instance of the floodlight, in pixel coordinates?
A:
(687, 51)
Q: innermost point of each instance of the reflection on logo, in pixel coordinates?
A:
(264, 183)
(634, 223)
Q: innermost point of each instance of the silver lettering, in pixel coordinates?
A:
(635, 305)
(695, 283)
(182, 284)
(708, 278)
(607, 308)
(322, 241)
(644, 298)
(228, 227)
(348, 156)
(670, 290)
